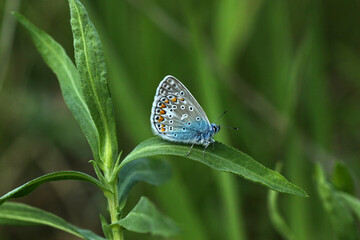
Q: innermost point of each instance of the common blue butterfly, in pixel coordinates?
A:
(176, 115)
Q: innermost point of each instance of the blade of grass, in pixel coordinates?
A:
(185, 212)
(276, 218)
(203, 72)
(233, 24)
(316, 107)
(6, 37)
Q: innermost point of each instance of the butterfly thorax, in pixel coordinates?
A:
(207, 136)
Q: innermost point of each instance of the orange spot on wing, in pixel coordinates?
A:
(181, 99)
(167, 101)
(162, 111)
(174, 99)
(161, 119)
(162, 106)
(162, 126)
(163, 129)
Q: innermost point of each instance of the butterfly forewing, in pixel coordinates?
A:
(176, 115)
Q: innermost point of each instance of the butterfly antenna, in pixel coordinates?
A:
(234, 128)
(220, 116)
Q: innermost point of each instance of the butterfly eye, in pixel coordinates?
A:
(191, 108)
(182, 107)
(182, 93)
(197, 118)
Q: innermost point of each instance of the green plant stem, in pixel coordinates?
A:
(113, 204)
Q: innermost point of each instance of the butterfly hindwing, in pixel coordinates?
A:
(176, 115)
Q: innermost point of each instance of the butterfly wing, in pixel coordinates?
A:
(176, 115)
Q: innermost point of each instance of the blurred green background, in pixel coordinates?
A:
(288, 72)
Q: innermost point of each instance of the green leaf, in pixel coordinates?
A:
(56, 176)
(55, 57)
(145, 218)
(15, 222)
(342, 221)
(276, 218)
(342, 179)
(90, 63)
(152, 171)
(106, 228)
(17, 213)
(223, 158)
(352, 202)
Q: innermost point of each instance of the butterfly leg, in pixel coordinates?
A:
(205, 149)
(187, 154)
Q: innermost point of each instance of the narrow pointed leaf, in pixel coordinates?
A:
(90, 63)
(55, 57)
(223, 158)
(56, 176)
(17, 213)
(145, 218)
(151, 171)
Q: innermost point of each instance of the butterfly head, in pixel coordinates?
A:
(215, 127)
